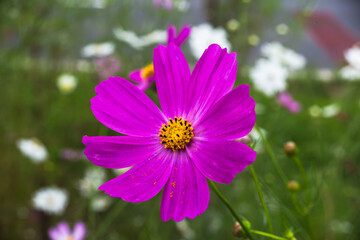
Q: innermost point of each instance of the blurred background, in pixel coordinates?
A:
(54, 53)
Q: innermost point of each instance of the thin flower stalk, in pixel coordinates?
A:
(231, 209)
(271, 155)
(268, 235)
(261, 196)
(109, 218)
(297, 161)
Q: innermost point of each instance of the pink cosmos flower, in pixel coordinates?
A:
(62, 232)
(167, 4)
(106, 66)
(191, 139)
(285, 99)
(145, 76)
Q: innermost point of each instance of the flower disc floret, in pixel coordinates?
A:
(176, 133)
(147, 71)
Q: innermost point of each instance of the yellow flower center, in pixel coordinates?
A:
(69, 238)
(147, 71)
(176, 133)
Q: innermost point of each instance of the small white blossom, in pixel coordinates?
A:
(352, 56)
(269, 77)
(182, 5)
(292, 60)
(66, 83)
(349, 73)
(185, 230)
(138, 42)
(331, 110)
(83, 65)
(98, 49)
(327, 112)
(94, 177)
(33, 149)
(52, 200)
(341, 226)
(325, 75)
(100, 203)
(204, 35)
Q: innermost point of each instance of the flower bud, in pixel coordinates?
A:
(290, 148)
(246, 140)
(289, 235)
(237, 230)
(293, 186)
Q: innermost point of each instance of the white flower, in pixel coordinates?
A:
(352, 56)
(289, 58)
(325, 75)
(83, 65)
(33, 149)
(331, 110)
(182, 5)
(349, 73)
(52, 200)
(341, 226)
(204, 35)
(269, 77)
(98, 49)
(66, 83)
(100, 4)
(138, 42)
(100, 203)
(185, 230)
(94, 177)
(327, 112)
(121, 170)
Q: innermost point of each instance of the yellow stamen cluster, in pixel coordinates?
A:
(176, 133)
(147, 71)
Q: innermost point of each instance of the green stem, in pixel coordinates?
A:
(231, 209)
(261, 196)
(302, 170)
(109, 219)
(296, 204)
(303, 175)
(268, 235)
(271, 155)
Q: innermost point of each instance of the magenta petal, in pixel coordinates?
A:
(183, 35)
(79, 232)
(232, 117)
(220, 161)
(171, 31)
(122, 107)
(171, 75)
(64, 228)
(143, 181)
(135, 76)
(213, 76)
(186, 194)
(144, 85)
(61, 231)
(120, 152)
